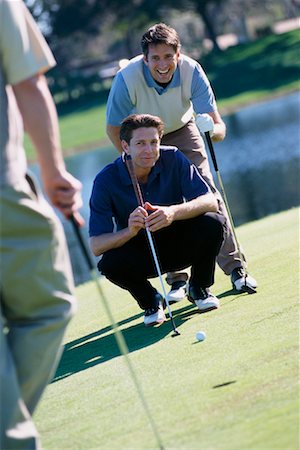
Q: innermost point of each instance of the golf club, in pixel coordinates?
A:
(141, 202)
(247, 289)
(118, 334)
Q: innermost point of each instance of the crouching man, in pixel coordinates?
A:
(179, 210)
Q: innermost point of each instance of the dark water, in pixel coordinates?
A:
(259, 164)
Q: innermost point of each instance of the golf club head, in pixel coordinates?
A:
(249, 290)
(175, 333)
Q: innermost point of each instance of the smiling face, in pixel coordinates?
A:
(162, 61)
(143, 149)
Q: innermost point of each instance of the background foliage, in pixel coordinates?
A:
(88, 38)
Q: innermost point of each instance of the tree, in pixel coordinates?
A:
(203, 8)
(88, 32)
(65, 17)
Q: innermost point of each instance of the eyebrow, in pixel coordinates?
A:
(165, 54)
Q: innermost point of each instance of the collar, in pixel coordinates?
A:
(175, 82)
(124, 174)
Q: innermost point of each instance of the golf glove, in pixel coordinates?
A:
(205, 123)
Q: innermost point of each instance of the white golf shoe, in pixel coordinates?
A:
(242, 282)
(177, 292)
(203, 299)
(154, 316)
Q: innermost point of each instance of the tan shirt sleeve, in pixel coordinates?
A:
(24, 49)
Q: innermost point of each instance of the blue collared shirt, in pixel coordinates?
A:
(172, 180)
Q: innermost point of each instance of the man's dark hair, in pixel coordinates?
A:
(160, 34)
(135, 121)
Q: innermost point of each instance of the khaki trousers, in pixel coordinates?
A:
(36, 305)
(190, 143)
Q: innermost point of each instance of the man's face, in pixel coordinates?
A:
(143, 148)
(162, 62)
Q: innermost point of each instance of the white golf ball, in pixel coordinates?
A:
(200, 336)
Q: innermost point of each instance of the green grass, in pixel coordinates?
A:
(80, 129)
(252, 345)
(82, 126)
(241, 75)
(257, 69)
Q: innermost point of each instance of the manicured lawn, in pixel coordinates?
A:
(236, 390)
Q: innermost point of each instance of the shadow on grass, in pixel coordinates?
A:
(228, 293)
(101, 346)
(227, 383)
(235, 294)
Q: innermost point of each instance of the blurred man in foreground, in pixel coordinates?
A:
(37, 299)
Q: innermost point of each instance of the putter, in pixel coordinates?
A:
(118, 333)
(141, 202)
(247, 289)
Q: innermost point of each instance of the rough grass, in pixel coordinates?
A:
(236, 390)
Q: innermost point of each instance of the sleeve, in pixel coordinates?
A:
(23, 49)
(203, 98)
(119, 104)
(192, 183)
(101, 216)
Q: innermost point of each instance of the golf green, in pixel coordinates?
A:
(236, 390)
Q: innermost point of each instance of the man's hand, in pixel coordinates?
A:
(136, 220)
(158, 217)
(205, 123)
(64, 192)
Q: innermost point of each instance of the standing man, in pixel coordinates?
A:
(164, 82)
(180, 211)
(37, 299)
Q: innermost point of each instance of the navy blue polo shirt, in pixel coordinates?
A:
(172, 180)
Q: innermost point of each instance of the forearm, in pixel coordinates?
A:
(107, 241)
(193, 208)
(40, 120)
(113, 132)
(41, 123)
(163, 216)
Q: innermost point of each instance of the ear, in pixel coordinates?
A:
(145, 59)
(125, 146)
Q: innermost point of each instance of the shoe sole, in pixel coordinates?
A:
(211, 308)
(172, 302)
(247, 289)
(154, 324)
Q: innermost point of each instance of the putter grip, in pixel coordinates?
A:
(76, 228)
(211, 150)
(136, 186)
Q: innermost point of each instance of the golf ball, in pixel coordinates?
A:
(200, 336)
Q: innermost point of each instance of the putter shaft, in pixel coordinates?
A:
(248, 289)
(118, 334)
(140, 200)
